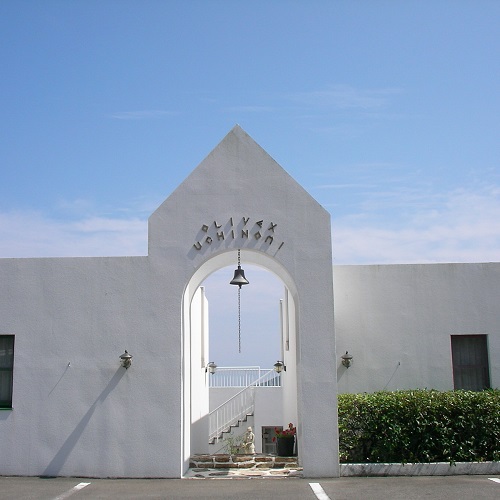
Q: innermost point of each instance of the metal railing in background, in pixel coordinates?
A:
(243, 376)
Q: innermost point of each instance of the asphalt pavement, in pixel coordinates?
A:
(248, 488)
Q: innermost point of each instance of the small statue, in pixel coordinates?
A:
(248, 441)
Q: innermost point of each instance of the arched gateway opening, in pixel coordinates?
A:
(245, 323)
(197, 423)
(239, 198)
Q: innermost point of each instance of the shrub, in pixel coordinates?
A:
(420, 426)
(233, 445)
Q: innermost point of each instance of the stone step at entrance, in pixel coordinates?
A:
(243, 461)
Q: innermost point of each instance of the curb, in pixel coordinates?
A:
(432, 469)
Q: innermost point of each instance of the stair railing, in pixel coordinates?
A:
(234, 410)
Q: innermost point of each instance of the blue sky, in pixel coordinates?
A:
(385, 111)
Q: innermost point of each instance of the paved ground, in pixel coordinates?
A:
(241, 488)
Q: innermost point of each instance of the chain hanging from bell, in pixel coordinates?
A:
(240, 280)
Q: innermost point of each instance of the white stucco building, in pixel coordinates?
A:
(69, 408)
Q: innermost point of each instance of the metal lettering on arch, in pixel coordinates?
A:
(229, 232)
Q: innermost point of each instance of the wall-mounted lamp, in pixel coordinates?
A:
(211, 367)
(346, 359)
(126, 359)
(279, 367)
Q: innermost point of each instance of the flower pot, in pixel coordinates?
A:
(284, 446)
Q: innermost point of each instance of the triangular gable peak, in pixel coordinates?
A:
(238, 196)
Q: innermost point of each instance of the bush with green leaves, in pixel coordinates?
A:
(234, 444)
(419, 426)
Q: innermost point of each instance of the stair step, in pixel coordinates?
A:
(230, 428)
(236, 425)
(244, 461)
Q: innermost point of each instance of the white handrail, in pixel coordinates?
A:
(234, 410)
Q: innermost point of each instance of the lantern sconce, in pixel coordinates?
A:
(346, 359)
(126, 359)
(211, 367)
(279, 367)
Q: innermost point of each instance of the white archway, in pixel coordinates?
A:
(195, 386)
(277, 225)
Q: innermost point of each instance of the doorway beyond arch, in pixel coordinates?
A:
(195, 326)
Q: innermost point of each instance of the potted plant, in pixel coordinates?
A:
(285, 440)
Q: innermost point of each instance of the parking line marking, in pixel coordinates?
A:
(68, 493)
(319, 491)
(494, 479)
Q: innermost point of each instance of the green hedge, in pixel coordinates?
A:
(419, 426)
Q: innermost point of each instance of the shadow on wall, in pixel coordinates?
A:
(392, 376)
(342, 370)
(61, 456)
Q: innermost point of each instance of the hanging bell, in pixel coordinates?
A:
(239, 277)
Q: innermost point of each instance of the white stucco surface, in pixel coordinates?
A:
(77, 412)
(397, 322)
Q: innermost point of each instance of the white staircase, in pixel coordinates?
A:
(236, 410)
(231, 414)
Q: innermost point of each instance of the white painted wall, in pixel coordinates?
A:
(289, 348)
(396, 321)
(219, 395)
(199, 376)
(77, 412)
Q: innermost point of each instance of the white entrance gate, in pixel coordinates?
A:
(240, 198)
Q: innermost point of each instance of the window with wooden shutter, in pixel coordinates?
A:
(470, 362)
(6, 370)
